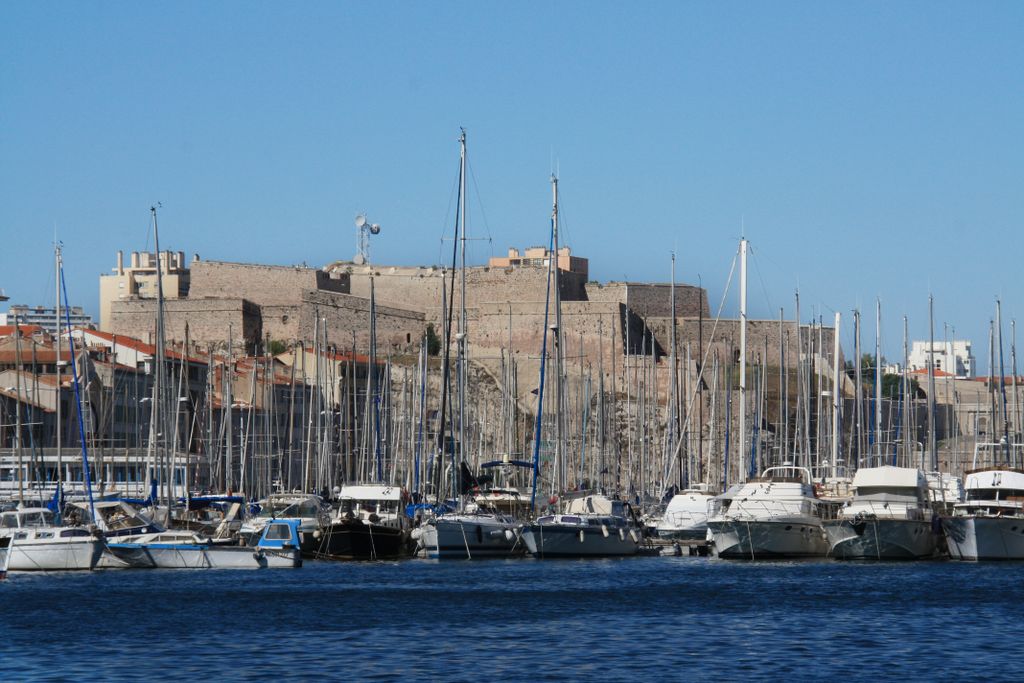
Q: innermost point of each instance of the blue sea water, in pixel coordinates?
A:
(636, 619)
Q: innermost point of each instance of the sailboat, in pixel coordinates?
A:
(464, 533)
(278, 547)
(39, 539)
(590, 524)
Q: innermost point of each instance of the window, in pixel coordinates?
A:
(71, 533)
(278, 532)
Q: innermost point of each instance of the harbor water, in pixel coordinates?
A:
(636, 619)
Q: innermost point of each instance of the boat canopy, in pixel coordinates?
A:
(889, 477)
(370, 492)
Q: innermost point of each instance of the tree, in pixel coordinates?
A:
(277, 346)
(433, 343)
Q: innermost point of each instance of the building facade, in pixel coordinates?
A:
(954, 357)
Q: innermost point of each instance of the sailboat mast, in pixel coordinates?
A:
(159, 415)
(878, 379)
(559, 388)
(933, 453)
(462, 302)
(60, 423)
(835, 397)
(743, 349)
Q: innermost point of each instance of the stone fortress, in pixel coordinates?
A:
(604, 325)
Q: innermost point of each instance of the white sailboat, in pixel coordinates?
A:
(463, 534)
(278, 547)
(591, 526)
(39, 543)
(889, 517)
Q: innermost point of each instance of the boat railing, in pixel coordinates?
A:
(875, 509)
(768, 509)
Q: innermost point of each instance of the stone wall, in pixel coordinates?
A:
(651, 299)
(209, 320)
(260, 284)
(347, 317)
(420, 289)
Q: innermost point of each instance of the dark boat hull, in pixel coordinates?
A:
(357, 541)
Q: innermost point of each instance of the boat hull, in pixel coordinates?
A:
(695, 533)
(202, 556)
(79, 553)
(768, 539)
(5, 547)
(881, 539)
(984, 538)
(555, 540)
(358, 541)
(470, 538)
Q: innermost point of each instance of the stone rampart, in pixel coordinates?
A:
(209, 320)
(260, 284)
(347, 318)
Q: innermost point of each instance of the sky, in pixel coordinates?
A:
(869, 151)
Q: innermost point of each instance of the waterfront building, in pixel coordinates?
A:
(954, 357)
(46, 317)
(139, 280)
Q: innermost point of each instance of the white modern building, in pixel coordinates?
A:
(953, 357)
(46, 317)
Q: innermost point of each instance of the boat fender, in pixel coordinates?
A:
(604, 530)
(317, 534)
(416, 533)
(633, 535)
(510, 535)
(498, 533)
(582, 536)
(622, 534)
(258, 555)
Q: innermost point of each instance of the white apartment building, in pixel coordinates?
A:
(953, 357)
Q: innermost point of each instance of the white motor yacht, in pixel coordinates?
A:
(889, 517)
(686, 515)
(775, 515)
(989, 524)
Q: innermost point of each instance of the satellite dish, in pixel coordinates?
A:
(359, 259)
(360, 220)
(375, 229)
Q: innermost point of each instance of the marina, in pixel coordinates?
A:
(576, 341)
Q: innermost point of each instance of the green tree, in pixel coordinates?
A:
(277, 346)
(433, 343)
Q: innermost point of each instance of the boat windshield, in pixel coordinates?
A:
(302, 508)
(33, 519)
(995, 494)
(278, 532)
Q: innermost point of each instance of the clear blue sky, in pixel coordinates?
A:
(870, 149)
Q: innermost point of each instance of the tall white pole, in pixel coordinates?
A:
(835, 397)
(878, 380)
(743, 350)
(59, 392)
